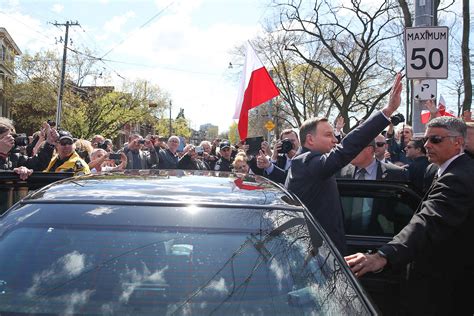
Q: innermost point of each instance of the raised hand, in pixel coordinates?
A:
(395, 96)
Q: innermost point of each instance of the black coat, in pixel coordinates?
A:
(312, 177)
(438, 242)
(38, 162)
(416, 172)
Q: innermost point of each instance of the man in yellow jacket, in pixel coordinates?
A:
(67, 160)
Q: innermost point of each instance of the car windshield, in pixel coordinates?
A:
(81, 259)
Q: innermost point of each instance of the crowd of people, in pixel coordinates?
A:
(439, 166)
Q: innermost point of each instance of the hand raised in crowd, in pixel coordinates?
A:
(23, 172)
(266, 148)
(395, 96)
(51, 133)
(340, 123)
(6, 144)
(262, 160)
(431, 106)
(276, 150)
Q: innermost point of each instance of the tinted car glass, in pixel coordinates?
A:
(144, 260)
(375, 216)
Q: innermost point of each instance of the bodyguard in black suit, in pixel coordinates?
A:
(437, 242)
(311, 176)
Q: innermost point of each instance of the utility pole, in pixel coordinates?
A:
(63, 70)
(424, 16)
(171, 129)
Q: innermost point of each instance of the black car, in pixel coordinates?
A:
(170, 243)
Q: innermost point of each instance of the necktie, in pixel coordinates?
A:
(361, 174)
(360, 209)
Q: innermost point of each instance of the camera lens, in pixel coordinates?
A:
(286, 146)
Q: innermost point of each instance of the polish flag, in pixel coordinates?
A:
(256, 87)
(442, 108)
(425, 116)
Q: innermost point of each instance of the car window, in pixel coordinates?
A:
(375, 216)
(95, 259)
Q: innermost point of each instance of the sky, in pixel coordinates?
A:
(183, 46)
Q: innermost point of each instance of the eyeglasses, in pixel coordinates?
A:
(380, 144)
(65, 142)
(225, 149)
(436, 139)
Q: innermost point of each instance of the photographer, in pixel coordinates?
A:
(207, 155)
(138, 158)
(189, 160)
(284, 150)
(397, 148)
(10, 157)
(101, 160)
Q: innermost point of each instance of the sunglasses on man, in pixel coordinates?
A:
(435, 139)
(65, 142)
(380, 144)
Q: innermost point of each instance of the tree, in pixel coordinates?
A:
(466, 105)
(348, 45)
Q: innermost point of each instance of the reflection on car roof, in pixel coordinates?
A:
(168, 186)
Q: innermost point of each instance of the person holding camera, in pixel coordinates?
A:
(190, 161)
(138, 158)
(10, 157)
(284, 150)
(101, 160)
(397, 148)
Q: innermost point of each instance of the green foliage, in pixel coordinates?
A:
(234, 133)
(31, 104)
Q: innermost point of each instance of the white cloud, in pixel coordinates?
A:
(57, 8)
(115, 24)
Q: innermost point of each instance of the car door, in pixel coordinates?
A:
(12, 189)
(374, 212)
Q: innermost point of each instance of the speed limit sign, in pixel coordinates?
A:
(426, 52)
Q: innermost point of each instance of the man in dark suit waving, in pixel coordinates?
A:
(437, 242)
(311, 176)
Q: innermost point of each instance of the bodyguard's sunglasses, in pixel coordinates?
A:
(380, 144)
(435, 139)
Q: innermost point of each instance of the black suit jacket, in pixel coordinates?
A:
(439, 238)
(311, 177)
(385, 171)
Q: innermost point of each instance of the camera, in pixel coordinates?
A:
(102, 145)
(21, 140)
(141, 141)
(113, 156)
(397, 119)
(199, 150)
(51, 123)
(286, 146)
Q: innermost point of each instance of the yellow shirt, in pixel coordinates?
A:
(73, 164)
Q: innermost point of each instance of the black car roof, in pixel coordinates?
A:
(168, 187)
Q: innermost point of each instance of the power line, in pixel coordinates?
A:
(142, 26)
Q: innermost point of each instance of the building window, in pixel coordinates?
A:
(3, 52)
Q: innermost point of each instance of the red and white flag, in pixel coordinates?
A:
(442, 108)
(256, 87)
(425, 114)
